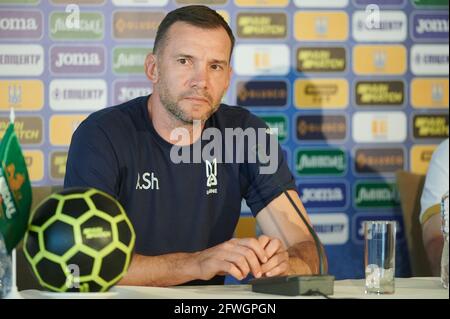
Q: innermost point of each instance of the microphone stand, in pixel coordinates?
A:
(295, 285)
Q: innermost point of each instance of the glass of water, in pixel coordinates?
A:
(379, 256)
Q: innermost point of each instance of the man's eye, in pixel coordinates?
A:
(216, 67)
(182, 61)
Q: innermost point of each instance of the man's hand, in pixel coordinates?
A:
(278, 257)
(237, 257)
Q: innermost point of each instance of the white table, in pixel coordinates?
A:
(405, 288)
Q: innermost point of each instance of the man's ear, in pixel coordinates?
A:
(151, 68)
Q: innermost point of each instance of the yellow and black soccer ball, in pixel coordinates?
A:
(79, 240)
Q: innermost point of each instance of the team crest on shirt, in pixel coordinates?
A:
(211, 176)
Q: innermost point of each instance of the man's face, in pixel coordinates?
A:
(193, 71)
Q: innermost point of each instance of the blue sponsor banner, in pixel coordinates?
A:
(323, 195)
(430, 27)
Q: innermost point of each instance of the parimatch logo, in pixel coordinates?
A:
(430, 126)
(320, 59)
(380, 93)
(262, 25)
(29, 129)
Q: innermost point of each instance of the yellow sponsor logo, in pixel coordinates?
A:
(420, 158)
(58, 162)
(23, 95)
(262, 3)
(379, 93)
(429, 93)
(35, 164)
(321, 93)
(261, 60)
(379, 59)
(321, 59)
(380, 128)
(261, 25)
(321, 26)
(430, 126)
(62, 128)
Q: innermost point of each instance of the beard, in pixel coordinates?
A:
(171, 103)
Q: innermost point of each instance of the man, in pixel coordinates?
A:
(436, 185)
(184, 214)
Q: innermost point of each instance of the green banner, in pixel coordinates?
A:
(376, 195)
(431, 3)
(127, 60)
(321, 162)
(279, 122)
(15, 190)
(85, 26)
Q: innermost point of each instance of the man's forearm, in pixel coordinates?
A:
(160, 271)
(303, 259)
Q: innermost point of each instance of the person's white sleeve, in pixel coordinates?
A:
(436, 182)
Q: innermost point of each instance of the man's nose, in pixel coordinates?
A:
(200, 78)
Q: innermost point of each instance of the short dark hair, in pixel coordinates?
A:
(195, 15)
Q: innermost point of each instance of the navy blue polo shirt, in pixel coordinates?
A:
(174, 207)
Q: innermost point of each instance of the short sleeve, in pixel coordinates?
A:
(436, 182)
(91, 160)
(269, 175)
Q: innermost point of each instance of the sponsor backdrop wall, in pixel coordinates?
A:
(357, 88)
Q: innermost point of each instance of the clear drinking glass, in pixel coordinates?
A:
(379, 256)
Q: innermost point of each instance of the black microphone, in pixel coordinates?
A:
(295, 285)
